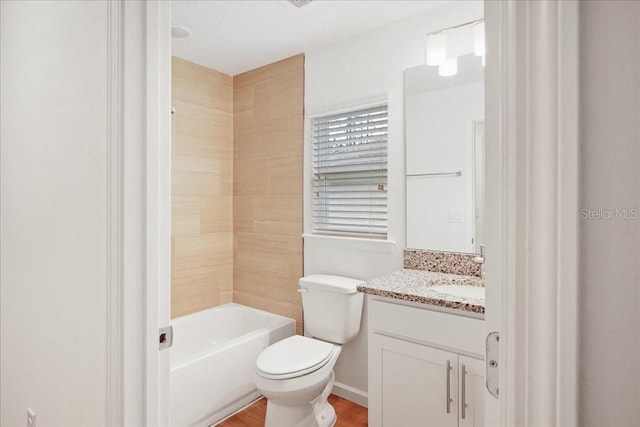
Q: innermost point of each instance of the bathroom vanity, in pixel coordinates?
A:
(426, 348)
(426, 333)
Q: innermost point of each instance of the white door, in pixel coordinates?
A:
(495, 256)
(531, 204)
(158, 287)
(418, 384)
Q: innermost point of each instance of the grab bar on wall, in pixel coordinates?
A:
(458, 173)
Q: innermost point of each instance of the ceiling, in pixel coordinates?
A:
(234, 36)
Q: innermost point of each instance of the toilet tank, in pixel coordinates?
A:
(332, 307)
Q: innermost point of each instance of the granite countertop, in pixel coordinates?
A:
(418, 286)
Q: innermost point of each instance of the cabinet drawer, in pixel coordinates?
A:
(444, 330)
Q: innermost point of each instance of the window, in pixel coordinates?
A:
(350, 173)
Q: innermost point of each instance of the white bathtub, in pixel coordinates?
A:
(213, 359)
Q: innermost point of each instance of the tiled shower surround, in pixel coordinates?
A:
(237, 187)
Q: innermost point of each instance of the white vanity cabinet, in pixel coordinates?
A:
(425, 367)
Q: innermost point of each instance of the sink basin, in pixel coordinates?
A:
(470, 292)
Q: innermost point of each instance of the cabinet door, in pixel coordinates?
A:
(472, 385)
(412, 385)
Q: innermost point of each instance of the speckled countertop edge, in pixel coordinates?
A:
(414, 285)
(442, 262)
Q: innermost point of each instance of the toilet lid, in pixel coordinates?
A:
(293, 357)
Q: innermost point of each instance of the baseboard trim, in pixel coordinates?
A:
(352, 394)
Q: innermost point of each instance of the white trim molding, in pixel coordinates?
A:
(158, 208)
(145, 41)
(114, 297)
(537, 129)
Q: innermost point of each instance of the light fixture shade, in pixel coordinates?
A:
(436, 49)
(448, 68)
(479, 46)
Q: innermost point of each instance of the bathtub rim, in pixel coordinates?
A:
(279, 321)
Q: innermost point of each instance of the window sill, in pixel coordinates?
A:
(355, 243)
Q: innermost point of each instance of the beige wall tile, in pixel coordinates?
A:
(203, 94)
(293, 311)
(226, 178)
(193, 252)
(296, 124)
(185, 217)
(196, 183)
(237, 187)
(212, 132)
(225, 282)
(286, 167)
(216, 214)
(227, 81)
(194, 72)
(251, 282)
(251, 77)
(250, 177)
(278, 84)
(194, 293)
(226, 297)
(285, 176)
(268, 145)
(261, 253)
(279, 216)
(188, 145)
(285, 188)
(202, 113)
(261, 303)
(265, 138)
(243, 213)
(284, 289)
(184, 163)
(242, 99)
(202, 176)
(278, 103)
(288, 65)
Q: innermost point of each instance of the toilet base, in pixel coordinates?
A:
(298, 416)
(316, 413)
(328, 417)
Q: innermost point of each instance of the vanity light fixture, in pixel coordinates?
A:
(445, 46)
(449, 67)
(479, 46)
(436, 49)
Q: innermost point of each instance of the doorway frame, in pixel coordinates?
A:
(532, 222)
(145, 243)
(158, 208)
(532, 209)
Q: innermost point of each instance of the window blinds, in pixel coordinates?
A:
(350, 173)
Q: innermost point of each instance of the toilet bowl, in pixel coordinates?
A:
(296, 374)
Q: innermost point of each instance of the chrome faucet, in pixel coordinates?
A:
(479, 258)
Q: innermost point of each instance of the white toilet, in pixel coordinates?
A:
(296, 374)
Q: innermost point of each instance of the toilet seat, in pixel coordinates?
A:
(294, 357)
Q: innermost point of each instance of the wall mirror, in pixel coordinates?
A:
(444, 131)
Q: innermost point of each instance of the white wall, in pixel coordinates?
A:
(348, 74)
(54, 212)
(609, 383)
